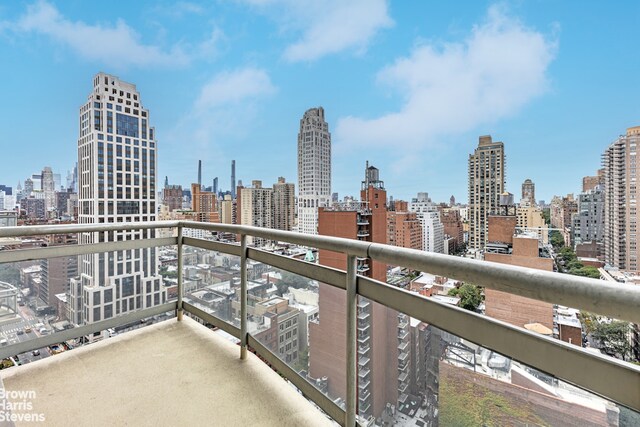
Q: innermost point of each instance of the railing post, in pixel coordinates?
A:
(180, 271)
(243, 296)
(352, 353)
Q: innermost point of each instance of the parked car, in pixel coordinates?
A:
(36, 352)
(27, 330)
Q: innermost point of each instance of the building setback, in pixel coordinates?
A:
(117, 161)
(314, 169)
(486, 183)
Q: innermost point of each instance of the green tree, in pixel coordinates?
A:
(291, 280)
(613, 338)
(586, 271)
(556, 239)
(470, 296)
(546, 214)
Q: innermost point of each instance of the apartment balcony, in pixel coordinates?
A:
(178, 371)
(363, 303)
(363, 269)
(363, 327)
(362, 234)
(363, 315)
(363, 373)
(364, 396)
(363, 361)
(155, 374)
(363, 350)
(364, 339)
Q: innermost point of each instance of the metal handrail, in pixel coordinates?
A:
(617, 300)
(615, 380)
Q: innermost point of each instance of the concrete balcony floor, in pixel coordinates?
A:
(170, 373)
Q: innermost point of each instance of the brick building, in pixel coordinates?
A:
(522, 250)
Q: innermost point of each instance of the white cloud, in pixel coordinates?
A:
(327, 26)
(226, 111)
(118, 44)
(234, 87)
(456, 87)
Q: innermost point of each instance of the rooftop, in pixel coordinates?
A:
(171, 370)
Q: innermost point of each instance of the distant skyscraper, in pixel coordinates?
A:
(314, 169)
(452, 201)
(215, 185)
(48, 188)
(588, 223)
(200, 173)
(429, 217)
(233, 179)
(486, 183)
(528, 193)
(28, 187)
(284, 205)
(204, 204)
(255, 205)
(117, 161)
(172, 197)
(620, 229)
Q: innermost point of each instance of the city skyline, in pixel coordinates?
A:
(410, 82)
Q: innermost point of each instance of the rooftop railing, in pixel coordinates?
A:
(610, 378)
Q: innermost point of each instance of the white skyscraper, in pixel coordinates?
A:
(314, 169)
(432, 227)
(116, 183)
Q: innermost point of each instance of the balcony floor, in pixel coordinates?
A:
(170, 373)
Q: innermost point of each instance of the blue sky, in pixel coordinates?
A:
(408, 86)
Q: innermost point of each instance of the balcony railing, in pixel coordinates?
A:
(613, 379)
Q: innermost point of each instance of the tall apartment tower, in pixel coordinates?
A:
(528, 193)
(486, 183)
(233, 179)
(204, 204)
(284, 205)
(255, 208)
(620, 211)
(314, 169)
(117, 158)
(48, 188)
